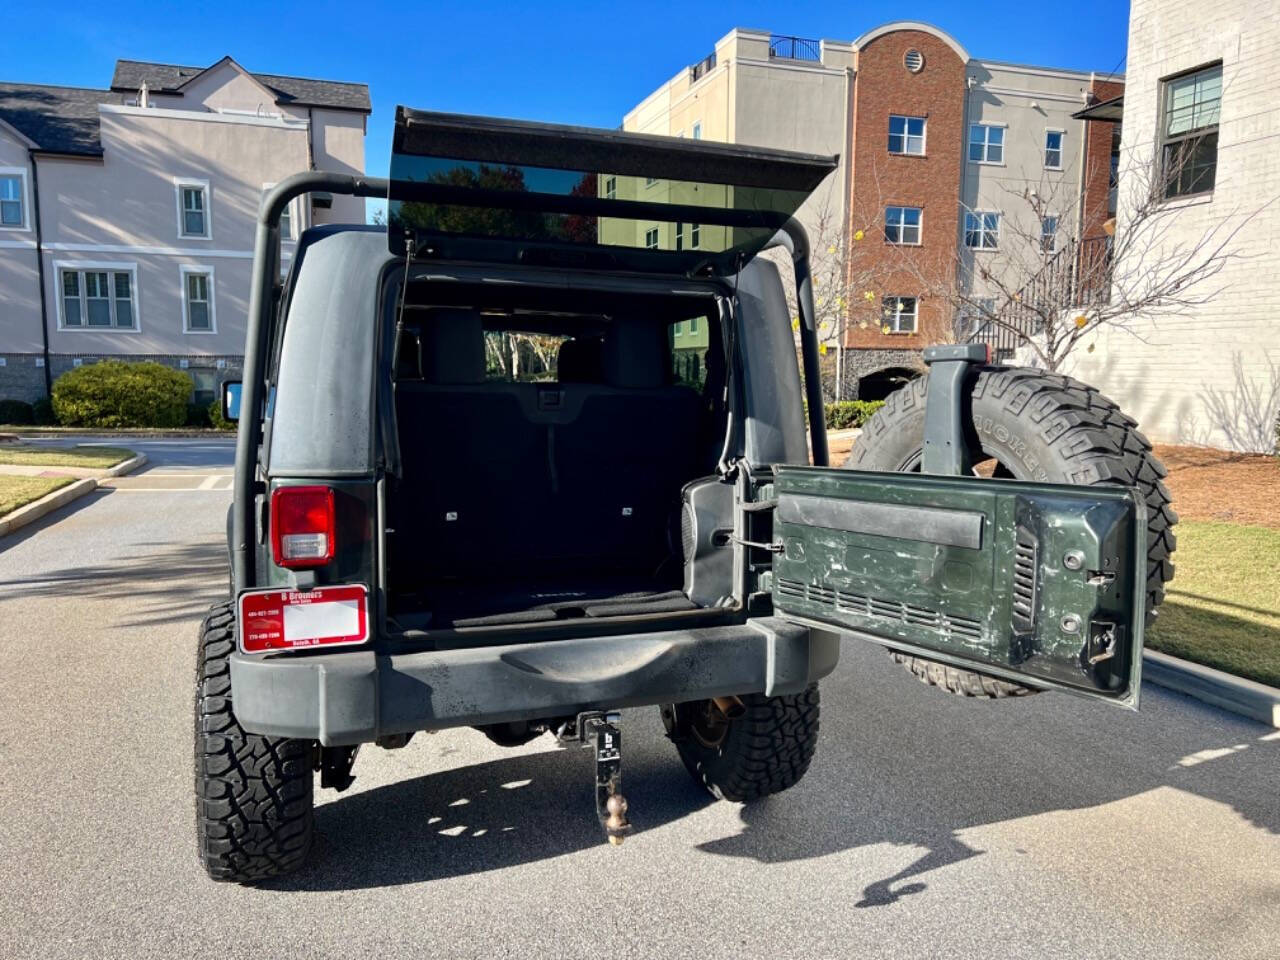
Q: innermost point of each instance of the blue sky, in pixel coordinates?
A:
(539, 60)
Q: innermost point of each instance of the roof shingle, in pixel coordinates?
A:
(297, 91)
(56, 119)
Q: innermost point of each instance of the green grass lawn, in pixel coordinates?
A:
(21, 454)
(17, 492)
(1223, 606)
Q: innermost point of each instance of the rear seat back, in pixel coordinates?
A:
(508, 479)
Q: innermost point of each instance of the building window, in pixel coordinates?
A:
(1048, 234)
(193, 208)
(286, 221)
(97, 298)
(981, 230)
(651, 238)
(902, 225)
(1190, 131)
(906, 135)
(611, 188)
(695, 235)
(693, 325)
(697, 130)
(678, 328)
(197, 300)
(1053, 149)
(899, 314)
(679, 236)
(13, 202)
(986, 143)
(650, 181)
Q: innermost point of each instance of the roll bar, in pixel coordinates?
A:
(266, 252)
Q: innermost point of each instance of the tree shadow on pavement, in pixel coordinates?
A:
(152, 579)
(898, 763)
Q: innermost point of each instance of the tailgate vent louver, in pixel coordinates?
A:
(1024, 581)
(880, 608)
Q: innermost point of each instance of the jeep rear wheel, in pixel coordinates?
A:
(1029, 425)
(746, 756)
(254, 794)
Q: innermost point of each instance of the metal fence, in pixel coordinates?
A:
(795, 48)
(1078, 275)
(702, 67)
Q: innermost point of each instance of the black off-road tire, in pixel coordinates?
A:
(254, 794)
(1037, 426)
(762, 752)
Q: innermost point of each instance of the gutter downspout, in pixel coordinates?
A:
(44, 306)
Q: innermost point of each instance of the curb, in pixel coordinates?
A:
(126, 466)
(176, 433)
(46, 504)
(61, 497)
(1248, 698)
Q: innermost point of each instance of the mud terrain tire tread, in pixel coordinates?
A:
(254, 794)
(765, 751)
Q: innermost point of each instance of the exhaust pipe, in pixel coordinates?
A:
(731, 707)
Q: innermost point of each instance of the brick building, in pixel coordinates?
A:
(935, 148)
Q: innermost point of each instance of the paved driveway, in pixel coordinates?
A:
(928, 826)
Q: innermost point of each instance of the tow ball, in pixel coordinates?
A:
(603, 731)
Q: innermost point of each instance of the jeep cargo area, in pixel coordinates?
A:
(542, 449)
(544, 438)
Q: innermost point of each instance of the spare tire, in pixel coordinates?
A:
(1028, 425)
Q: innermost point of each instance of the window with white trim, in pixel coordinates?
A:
(94, 298)
(981, 230)
(906, 135)
(900, 314)
(13, 200)
(986, 143)
(193, 209)
(1048, 233)
(697, 130)
(1053, 149)
(286, 222)
(695, 235)
(197, 300)
(902, 225)
(651, 238)
(610, 188)
(1191, 106)
(679, 236)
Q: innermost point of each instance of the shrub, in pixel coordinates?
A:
(114, 394)
(216, 419)
(42, 411)
(198, 415)
(844, 414)
(17, 412)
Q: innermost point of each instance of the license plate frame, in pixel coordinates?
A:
(280, 621)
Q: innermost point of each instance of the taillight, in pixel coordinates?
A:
(302, 528)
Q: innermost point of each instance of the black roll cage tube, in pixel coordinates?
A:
(266, 254)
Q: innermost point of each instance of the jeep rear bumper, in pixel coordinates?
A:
(357, 696)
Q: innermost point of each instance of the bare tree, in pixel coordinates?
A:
(1028, 282)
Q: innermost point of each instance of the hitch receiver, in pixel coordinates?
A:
(603, 732)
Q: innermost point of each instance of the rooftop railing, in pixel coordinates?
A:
(795, 48)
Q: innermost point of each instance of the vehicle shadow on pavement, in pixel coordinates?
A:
(898, 763)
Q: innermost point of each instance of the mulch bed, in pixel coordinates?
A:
(1219, 486)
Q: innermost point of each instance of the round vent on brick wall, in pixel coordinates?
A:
(913, 59)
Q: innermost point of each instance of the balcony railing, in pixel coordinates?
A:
(795, 48)
(702, 67)
(1077, 276)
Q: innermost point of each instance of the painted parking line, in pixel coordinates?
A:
(173, 483)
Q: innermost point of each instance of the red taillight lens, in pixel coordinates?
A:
(302, 533)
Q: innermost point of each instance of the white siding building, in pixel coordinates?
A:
(1208, 80)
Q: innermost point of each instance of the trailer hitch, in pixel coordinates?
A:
(602, 731)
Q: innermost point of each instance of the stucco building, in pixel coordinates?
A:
(126, 214)
(939, 152)
(1203, 89)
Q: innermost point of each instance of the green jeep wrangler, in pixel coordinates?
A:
(538, 451)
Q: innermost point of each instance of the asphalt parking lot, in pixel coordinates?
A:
(928, 825)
